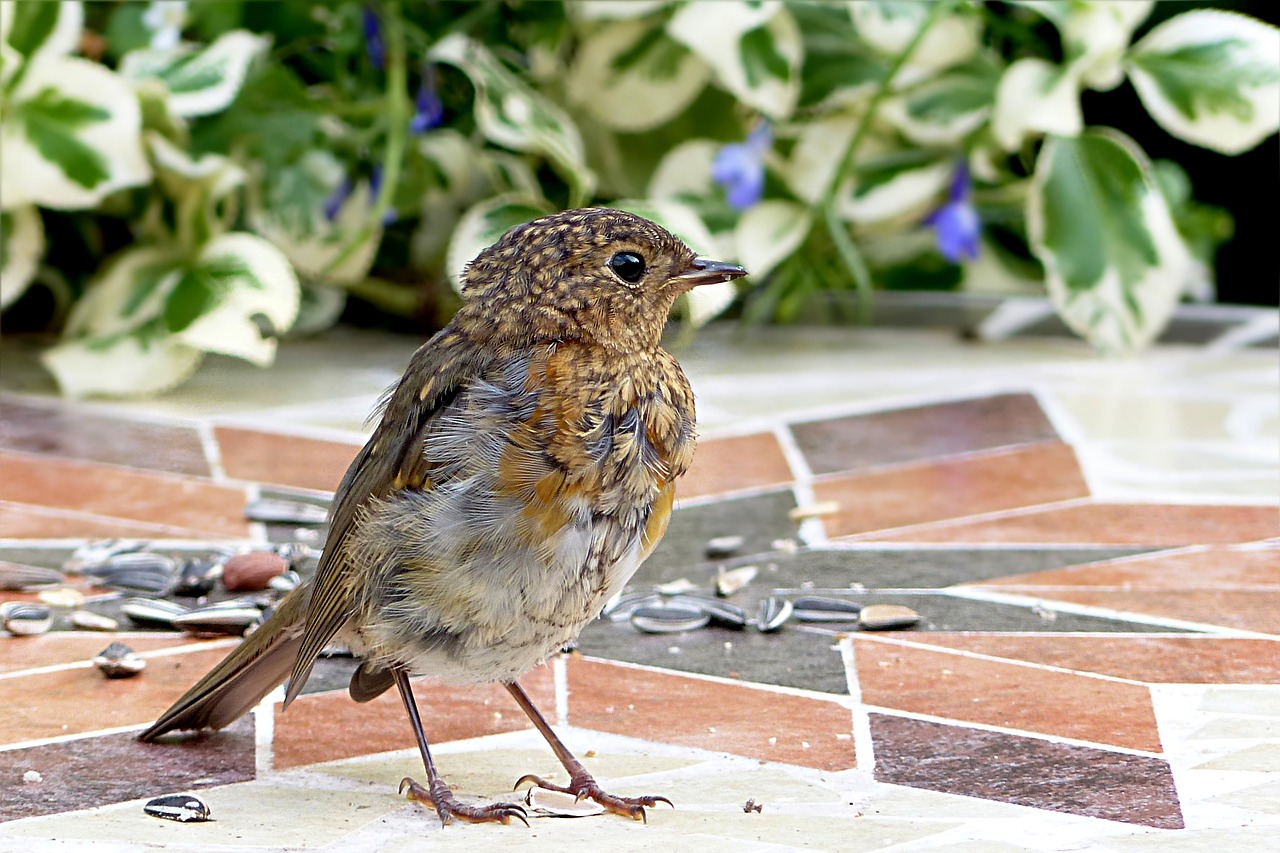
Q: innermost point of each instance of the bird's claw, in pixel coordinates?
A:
(586, 788)
(448, 806)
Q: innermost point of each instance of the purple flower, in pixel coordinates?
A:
(739, 167)
(428, 112)
(373, 38)
(956, 223)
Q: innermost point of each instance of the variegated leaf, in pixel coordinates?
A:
(482, 225)
(1036, 96)
(685, 170)
(72, 135)
(616, 9)
(755, 50)
(511, 113)
(128, 293)
(199, 82)
(1097, 35)
(817, 154)
(1114, 262)
(40, 30)
(1211, 78)
(631, 77)
(768, 232)
(889, 25)
(944, 110)
(909, 187)
(127, 365)
(21, 247)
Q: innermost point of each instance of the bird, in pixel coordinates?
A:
(521, 470)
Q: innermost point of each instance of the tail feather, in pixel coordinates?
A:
(244, 677)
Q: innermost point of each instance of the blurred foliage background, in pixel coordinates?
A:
(182, 178)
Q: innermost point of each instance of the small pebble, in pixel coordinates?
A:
(252, 571)
(87, 620)
(32, 776)
(817, 510)
(723, 546)
(734, 580)
(64, 597)
(885, 617)
(119, 661)
(180, 807)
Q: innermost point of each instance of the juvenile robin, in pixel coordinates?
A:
(522, 470)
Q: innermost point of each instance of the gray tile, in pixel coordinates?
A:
(760, 520)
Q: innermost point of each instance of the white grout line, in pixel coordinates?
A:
(812, 530)
(264, 728)
(212, 452)
(46, 741)
(995, 515)
(1004, 730)
(863, 745)
(109, 638)
(560, 677)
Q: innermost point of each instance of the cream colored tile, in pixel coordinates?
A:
(1260, 798)
(1263, 757)
(899, 801)
(847, 832)
(247, 815)
(1227, 728)
(1254, 839)
(1124, 415)
(1227, 700)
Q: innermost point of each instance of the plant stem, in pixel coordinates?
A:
(839, 230)
(397, 299)
(397, 113)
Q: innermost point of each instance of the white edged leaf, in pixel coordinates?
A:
(511, 113)
(755, 50)
(127, 293)
(319, 307)
(889, 25)
(128, 365)
(617, 10)
(707, 301)
(895, 190)
(685, 170)
(1115, 264)
(817, 154)
(199, 82)
(237, 279)
(1035, 96)
(39, 30)
(197, 186)
(21, 247)
(72, 136)
(632, 77)
(768, 232)
(1211, 78)
(945, 109)
(1097, 35)
(482, 225)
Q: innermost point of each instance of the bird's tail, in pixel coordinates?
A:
(249, 673)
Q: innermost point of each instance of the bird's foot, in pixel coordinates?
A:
(584, 787)
(449, 807)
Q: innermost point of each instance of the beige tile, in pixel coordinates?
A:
(1236, 838)
(1232, 728)
(1262, 757)
(1263, 798)
(1226, 700)
(1127, 416)
(849, 832)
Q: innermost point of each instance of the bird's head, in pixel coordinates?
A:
(594, 274)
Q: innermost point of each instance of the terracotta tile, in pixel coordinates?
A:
(742, 720)
(1163, 660)
(67, 647)
(1005, 694)
(1025, 771)
(917, 494)
(96, 771)
(1209, 568)
(25, 521)
(289, 460)
(79, 700)
(1255, 610)
(120, 493)
(730, 464)
(1157, 525)
(329, 726)
(76, 433)
(922, 432)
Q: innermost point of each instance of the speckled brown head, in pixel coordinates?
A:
(594, 274)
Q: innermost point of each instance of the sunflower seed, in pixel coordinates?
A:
(773, 614)
(724, 614)
(723, 546)
(275, 511)
(671, 619)
(16, 576)
(884, 617)
(559, 804)
(197, 577)
(141, 572)
(24, 619)
(146, 560)
(621, 609)
(119, 661)
(87, 620)
(219, 619)
(286, 582)
(152, 613)
(99, 551)
(813, 608)
(180, 807)
(734, 580)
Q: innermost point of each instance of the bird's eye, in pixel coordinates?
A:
(628, 265)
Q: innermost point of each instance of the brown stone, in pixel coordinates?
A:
(252, 571)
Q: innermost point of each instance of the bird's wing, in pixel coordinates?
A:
(391, 460)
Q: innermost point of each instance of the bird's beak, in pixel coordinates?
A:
(705, 271)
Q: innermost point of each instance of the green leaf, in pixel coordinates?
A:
(1114, 261)
(190, 297)
(1207, 78)
(50, 121)
(200, 82)
(761, 59)
(146, 279)
(33, 23)
(125, 30)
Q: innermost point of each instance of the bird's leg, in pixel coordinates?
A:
(581, 783)
(437, 793)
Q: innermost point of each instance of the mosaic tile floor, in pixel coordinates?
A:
(1093, 547)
